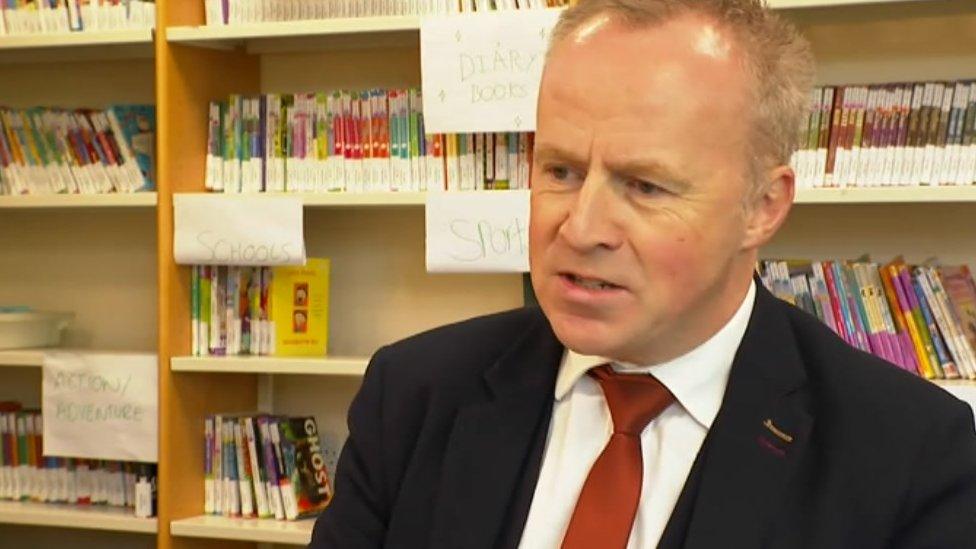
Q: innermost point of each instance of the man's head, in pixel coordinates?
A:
(663, 136)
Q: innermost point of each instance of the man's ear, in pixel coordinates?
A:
(768, 210)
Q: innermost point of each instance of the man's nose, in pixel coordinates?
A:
(591, 222)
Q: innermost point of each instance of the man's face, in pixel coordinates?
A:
(637, 227)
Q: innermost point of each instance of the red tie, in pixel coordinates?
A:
(607, 505)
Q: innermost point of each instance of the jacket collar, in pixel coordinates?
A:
(494, 444)
(761, 433)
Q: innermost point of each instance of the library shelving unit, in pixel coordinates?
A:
(379, 289)
(93, 255)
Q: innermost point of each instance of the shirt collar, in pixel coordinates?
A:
(697, 378)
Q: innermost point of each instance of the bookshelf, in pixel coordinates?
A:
(109, 257)
(94, 255)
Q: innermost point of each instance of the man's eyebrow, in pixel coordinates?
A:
(550, 151)
(650, 168)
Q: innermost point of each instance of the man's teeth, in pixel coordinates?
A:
(591, 283)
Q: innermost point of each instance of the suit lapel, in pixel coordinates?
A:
(491, 443)
(758, 438)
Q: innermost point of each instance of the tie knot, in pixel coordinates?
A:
(634, 399)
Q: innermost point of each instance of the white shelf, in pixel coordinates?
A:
(22, 357)
(360, 199)
(75, 46)
(962, 389)
(886, 195)
(331, 366)
(255, 530)
(74, 516)
(356, 32)
(113, 200)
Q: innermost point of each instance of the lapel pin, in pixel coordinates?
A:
(768, 424)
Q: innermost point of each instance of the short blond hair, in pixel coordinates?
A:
(777, 56)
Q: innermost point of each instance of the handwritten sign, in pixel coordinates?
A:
(238, 230)
(478, 231)
(100, 406)
(481, 71)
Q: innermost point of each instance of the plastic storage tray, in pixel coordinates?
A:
(32, 329)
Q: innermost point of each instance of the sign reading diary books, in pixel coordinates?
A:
(100, 406)
(238, 230)
(477, 232)
(481, 71)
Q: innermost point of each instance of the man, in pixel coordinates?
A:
(664, 133)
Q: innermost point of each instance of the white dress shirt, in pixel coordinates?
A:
(581, 426)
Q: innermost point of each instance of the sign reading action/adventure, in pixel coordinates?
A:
(100, 405)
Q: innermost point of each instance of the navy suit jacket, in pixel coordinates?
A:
(816, 445)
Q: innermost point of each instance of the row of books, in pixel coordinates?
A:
(282, 311)
(20, 17)
(262, 466)
(889, 135)
(921, 318)
(27, 475)
(54, 151)
(234, 12)
(360, 141)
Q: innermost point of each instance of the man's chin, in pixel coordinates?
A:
(587, 337)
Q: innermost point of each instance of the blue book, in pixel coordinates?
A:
(138, 126)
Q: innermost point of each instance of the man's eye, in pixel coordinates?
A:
(560, 173)
(644, 187)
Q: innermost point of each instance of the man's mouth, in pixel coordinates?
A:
(589, 283)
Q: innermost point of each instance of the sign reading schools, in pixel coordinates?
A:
(100, 406)
(471, 232)
(238, 230)
(481, 71)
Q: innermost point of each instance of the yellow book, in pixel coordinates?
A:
(300, 308)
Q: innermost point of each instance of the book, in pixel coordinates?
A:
(961, 293)
(309, 488)
(300, 307)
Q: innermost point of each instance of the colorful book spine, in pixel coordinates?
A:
(947, 367)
